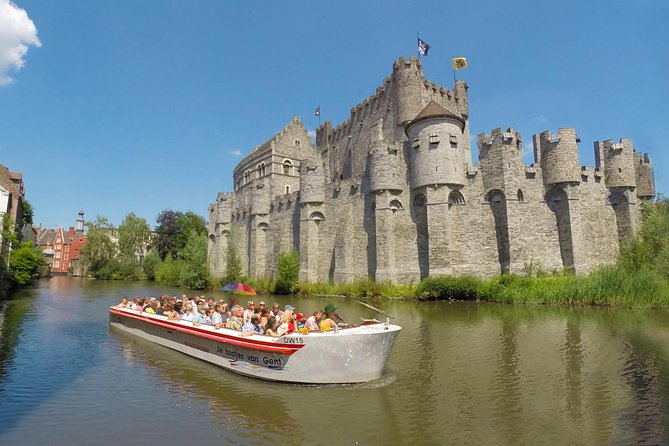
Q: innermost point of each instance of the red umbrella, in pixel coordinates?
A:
(239, 288)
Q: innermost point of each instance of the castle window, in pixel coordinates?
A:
(287, 167)
(419, 201)
(287, 189)
(298, 143)
(395, 205)
(455, 197)
(317, 216)
(434, 138)
(416, 143)
(520, 195)
(263, 226)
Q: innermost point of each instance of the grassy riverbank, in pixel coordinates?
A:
(639, 279)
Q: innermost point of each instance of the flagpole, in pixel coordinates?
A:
(453, 65)
(417, 39)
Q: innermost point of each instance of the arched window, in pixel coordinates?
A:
(495, 196)
(419, 201)
(263, 226)
(520, 195)
(395, 205)
(617, 198)
(317, 216)
(455, 197)
(263, 170)
(298, 143)
(287, 189)
(287, 167)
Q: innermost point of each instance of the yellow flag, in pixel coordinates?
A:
(459, 63)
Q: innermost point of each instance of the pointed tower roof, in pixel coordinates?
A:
(434, 110)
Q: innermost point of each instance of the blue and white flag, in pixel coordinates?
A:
(423, 47)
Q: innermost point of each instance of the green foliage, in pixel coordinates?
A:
(288, 271)
(449, 288)
(151, 261)
(28, 213)
(134, 235)
(99, 248)
(233, 265)
(25, 264)
(190, 270)
(168, 272)
(173, 231)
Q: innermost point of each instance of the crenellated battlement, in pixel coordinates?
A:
(617, 162)
(557, 154)
(510, 139)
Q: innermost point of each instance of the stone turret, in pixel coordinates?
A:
(617, 161)
(501, 163)
(408, 78)
(260, 197)
(645, 178)
(312, 181)
(225, 203)
(383, 168)
(557, 154)
(436, 147)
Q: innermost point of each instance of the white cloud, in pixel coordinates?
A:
(17, 33)
(236, 152)
(540, 119)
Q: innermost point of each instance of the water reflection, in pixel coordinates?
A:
(460, 373)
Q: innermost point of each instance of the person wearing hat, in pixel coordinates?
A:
(332, 319)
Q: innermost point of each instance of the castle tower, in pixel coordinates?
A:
(645, 178)
(617, 161)
(312, 196)
(260, 196)
(502, 170)
(80, 222)
(436, 147)
(408, 78)
(558, 156)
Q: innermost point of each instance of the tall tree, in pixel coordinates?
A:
(165, 231)
(134, 235)
(187, 223)
(100, 247)
(28, 213)
(25, 264)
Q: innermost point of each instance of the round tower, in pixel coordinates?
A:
(436, 141)
(312, 187)
(618, 162)
(383, 171)
(645, 178)
(408, 78)
(559, 156)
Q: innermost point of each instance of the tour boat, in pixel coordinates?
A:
(347, 355)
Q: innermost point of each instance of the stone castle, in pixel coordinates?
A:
(392, 194)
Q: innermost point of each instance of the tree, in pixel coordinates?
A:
(151, 261)
(288, 273)
(8, 239)
(165, 231)
(25, 264)
(195, 271)
(187, 223)
(134, 235)
(100, 248)
(233, 265)
(28, 213)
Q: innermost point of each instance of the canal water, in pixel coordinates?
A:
(460, 373)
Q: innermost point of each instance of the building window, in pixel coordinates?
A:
(419, 201)
(521, 197)
(317, 216)
(434, 138)
(395, 205)
(455, 197)
(263, 170)
(298, 143)
(287, 189)
(416, 143)
(287, 167)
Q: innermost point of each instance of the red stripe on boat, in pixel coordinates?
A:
(287, 349)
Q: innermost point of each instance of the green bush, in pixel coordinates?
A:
(449, 288)
(287, 273)
(25, 264)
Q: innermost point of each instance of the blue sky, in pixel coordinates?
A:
(146, 105)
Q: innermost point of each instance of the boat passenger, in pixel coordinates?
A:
(124, 303)
(152, 307)
(249, 311)
(329, 323)
(198, 318)
(270, 328)
(299, 321)
(235, 320)
(276, 313)
(172, 314)
(252, 327)
(207, 316)
(225, 314)
(188, 313)
(314, 321)
(264, 316)
(159, 308)
(287, 321)
(216, 317)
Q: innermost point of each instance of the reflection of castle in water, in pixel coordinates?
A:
(392, 194)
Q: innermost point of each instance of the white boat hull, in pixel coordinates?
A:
(352, 355)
